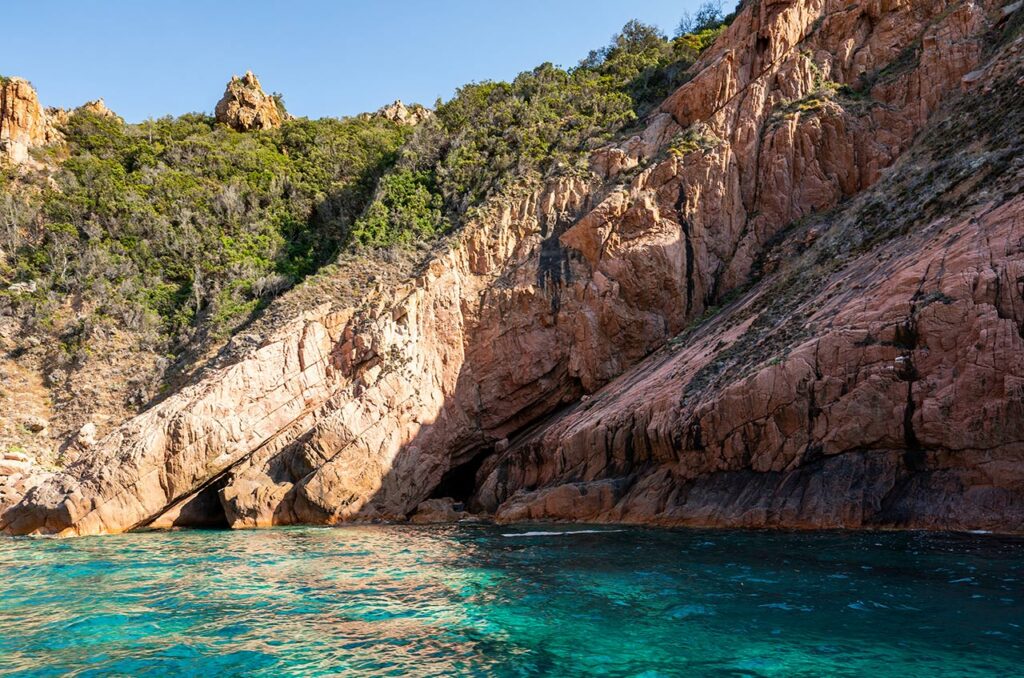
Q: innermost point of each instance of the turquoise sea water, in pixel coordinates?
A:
(484, 600)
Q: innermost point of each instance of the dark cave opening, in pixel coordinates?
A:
(459, 482)
(204, 509)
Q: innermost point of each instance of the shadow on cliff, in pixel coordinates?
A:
(442, 459)
(495, 425)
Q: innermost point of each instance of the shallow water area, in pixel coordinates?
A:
(522, 600)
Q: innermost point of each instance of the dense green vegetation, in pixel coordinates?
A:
(176, 220)
(173, 226)
(494, 134)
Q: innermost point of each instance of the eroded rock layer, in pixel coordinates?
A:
(794, 299)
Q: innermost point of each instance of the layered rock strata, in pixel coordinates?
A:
(695, 335)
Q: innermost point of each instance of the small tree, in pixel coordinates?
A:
(637, 37)
(708, 16)
(279, 103)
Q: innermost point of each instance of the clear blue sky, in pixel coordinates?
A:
(150, 58)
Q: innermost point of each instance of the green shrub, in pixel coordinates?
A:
(191, 221)
(492, 135)
(188, 227)
(407, 208)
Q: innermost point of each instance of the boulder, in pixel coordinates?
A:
(10, 467)
(444, 510)
(27, 287)
(34, 423)
(86, 437)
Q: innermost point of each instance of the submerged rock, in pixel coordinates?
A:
(445, 510)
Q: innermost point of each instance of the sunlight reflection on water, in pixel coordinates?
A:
(471, 600)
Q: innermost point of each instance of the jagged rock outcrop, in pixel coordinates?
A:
(821, 177)
(404, 115)
(873, 380)
(245, 107)
(22, 120)
(891, 397)
(97, 107)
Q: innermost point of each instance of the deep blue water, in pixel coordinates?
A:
(473, 600)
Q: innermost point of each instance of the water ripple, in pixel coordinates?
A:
(474, 600)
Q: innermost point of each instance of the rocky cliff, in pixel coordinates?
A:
(794, 298)
(22, 120)
(25, 124)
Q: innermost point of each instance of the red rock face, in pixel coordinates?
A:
(750, 316)
(872, 380)
(22, 121)
(899, 404)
